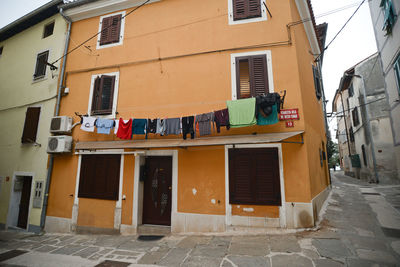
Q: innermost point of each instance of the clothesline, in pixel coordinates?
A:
(262, 110)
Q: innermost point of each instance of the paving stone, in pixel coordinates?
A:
(363, 232)
(361, 263)
(284, 244)
(202, 261)
(87, 252)
(378, 256)
(367, 243)
(126, 253)
(327, 263)
(174, 257)
(221, 241)
(226, 263)
(310, 253)
(152, 257)
(65, 237)
(192, 241)
(105, 251)
(209, 251)
(246, 261)
(46, 248)
(331, 248)
(251, 239)
(396, 246)
(290, 260)
(111, 241)
(248, 249)
(138, 245)
(68, 250)
(95, 257)
(51, 241)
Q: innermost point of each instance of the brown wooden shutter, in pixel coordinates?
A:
(115, 28)
(99, 176)
(254, 9)
(317, 82)
(254, 176)
(31, 125)
(106, 95)
(96, 95)
(105, 30)
(251, 76)
(110, 29)
(239, 9)
(259, 75)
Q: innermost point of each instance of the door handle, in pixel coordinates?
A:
(170, 187)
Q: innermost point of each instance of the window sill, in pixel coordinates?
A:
(39, 79)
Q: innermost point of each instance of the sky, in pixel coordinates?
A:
(355, 43)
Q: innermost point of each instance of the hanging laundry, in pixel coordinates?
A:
(139, 126)
(204, 121)
(116, 124)
(124, 129)
(270, 119)
(88, 124)
(104, 126)
(242, 112)
(151, 126)
(187, 126)
(264, 103)
(221, 118)
(172, 126)
(160, 126)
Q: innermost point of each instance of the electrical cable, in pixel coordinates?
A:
(341, 29)
(130, 12)
(293, 23)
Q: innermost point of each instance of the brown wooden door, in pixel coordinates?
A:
(24, 203)
(157, 197)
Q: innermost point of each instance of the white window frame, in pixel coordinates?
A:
(121, 33)
(242, 21)
(267, 53)
(115, 97)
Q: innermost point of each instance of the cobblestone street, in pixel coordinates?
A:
(360, 227)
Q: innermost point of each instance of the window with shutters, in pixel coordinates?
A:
(48, 29)
(41, 65)
(390, 16)
(103, 94)
(111, 28)
(254, 177)
(356, 119)
(317, 82)
(251, 74)
(31, 125)
(245, 11)
(99, 176)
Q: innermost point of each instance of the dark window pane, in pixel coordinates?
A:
(31, 125)
(48, 30)
(41, 61)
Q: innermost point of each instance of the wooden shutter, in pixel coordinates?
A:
(239, 9)
(317, 82)
(110, 29)
(99, 176)
(40, 69)
(103, 96)
(254, 176)
(251, 76)
(96, 95)
(254, 8)
(31, 125)
(259, 76)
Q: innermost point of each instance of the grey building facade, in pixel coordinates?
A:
(385, 19)
(364, 124)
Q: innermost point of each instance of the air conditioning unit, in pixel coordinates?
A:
(61, 125)
(59, 144)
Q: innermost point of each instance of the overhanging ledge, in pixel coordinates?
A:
(202, 141)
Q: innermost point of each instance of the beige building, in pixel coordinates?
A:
(28, 95)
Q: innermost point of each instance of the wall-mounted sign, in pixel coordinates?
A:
(289, 114)
(289, 123)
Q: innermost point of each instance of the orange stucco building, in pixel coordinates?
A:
(176, 58)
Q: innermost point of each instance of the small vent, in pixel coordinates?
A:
(53, 144)
(55, 124)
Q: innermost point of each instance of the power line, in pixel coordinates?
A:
(130, 12)
(344, 25)
(350, 109)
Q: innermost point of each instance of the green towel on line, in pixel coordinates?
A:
(242, 112)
